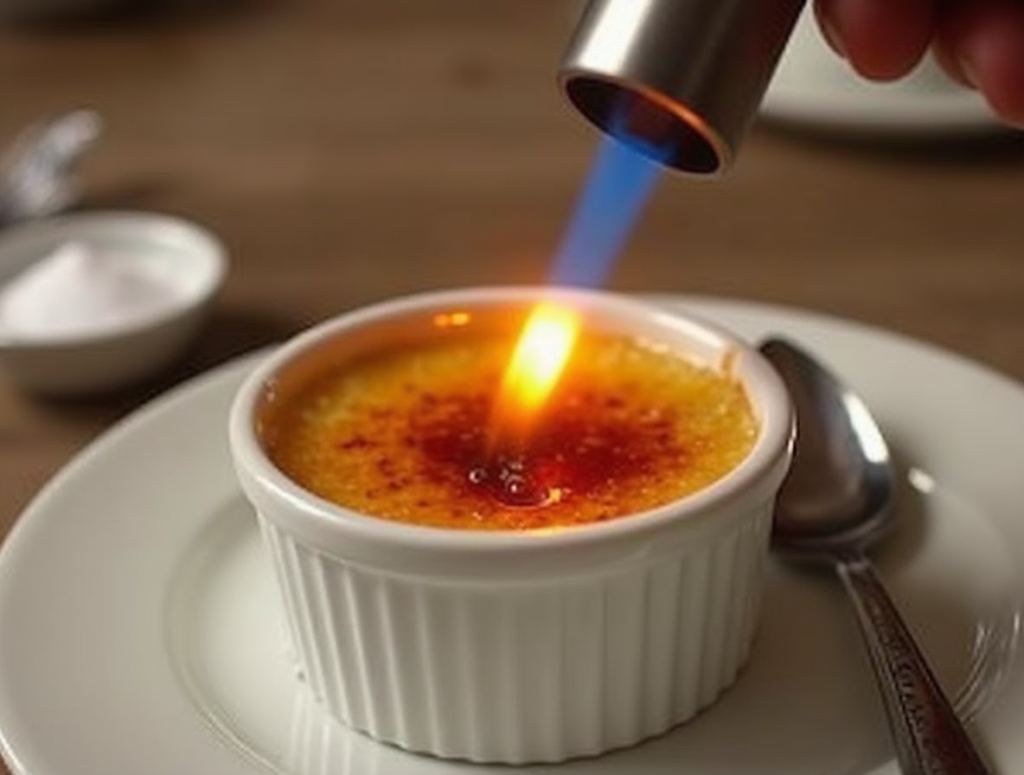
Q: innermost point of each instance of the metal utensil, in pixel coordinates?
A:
(684, 78)
(35, 174)
(836, 502)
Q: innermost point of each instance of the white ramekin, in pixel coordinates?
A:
(518, 647)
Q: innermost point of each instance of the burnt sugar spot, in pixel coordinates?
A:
(354, 443)
(450, 435)
(573, 453)
(455, 447)
(584, 451)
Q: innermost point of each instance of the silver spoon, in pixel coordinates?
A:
(836, 502)
(36, 172)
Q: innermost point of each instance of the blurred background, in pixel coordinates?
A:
(347, 151)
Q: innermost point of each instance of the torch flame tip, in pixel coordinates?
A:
(542, 351)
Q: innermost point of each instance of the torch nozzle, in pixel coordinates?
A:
(678, 80)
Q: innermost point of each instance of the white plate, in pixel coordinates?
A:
(816, 88)
(140, 630)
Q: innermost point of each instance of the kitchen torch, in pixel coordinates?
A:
(679, 80)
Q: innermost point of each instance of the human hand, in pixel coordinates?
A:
(980, 43)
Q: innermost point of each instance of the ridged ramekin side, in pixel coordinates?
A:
(542, 671)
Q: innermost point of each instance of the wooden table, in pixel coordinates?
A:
(350, 151)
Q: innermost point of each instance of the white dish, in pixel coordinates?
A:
(816, 88)
(184, 259)
(140, 633)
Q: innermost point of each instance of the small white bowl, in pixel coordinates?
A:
(190, 260)
(507, 646)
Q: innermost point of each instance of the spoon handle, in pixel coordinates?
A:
(929, 738)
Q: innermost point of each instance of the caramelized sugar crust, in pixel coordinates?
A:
(408, 435)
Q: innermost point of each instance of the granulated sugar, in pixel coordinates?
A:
(80, 291)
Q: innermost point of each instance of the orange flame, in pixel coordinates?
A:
(540, 357)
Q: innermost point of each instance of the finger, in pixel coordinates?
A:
(883, 39)
(981, 42)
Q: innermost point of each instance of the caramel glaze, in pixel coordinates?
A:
(409, 435)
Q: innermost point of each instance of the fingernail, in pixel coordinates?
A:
(835, 40)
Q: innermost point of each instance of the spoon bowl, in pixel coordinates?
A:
(841, 487)
(36, 174)
(837, 501)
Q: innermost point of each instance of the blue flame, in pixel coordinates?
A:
(622, 179)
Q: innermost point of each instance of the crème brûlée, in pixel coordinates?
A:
(408, 434)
